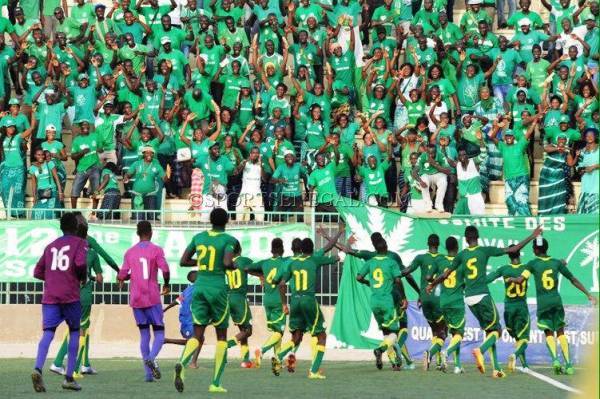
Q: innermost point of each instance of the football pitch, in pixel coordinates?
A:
(123, 378)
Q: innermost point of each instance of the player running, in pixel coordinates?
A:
(305, 313)
(430, 303)
(384, 277)
(140, 265)
(550, 310)
(62, 267)
(396, 294)
(94, 275)
(516, 312)
(473, 261)
(274, 298)
(186, 324)
(452, 304)
(214, 250)
(239, 308)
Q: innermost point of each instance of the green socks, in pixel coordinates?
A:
(220, 361)
(316, 364)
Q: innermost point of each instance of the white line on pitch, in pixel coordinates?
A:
(549, 380)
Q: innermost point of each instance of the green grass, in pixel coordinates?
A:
(123, 378)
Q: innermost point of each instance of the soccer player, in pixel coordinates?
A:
(94, 274)
(452, 303)
(274, 299)
(214, 254)
(473, 261)
(516, 312)
(305, 313)
(550, 311)
(186, 323)
(237, 279)
(396, 294)
(384, 274)
(430, 304)
(140, 265)
(62, 267)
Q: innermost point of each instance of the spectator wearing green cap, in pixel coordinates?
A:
(516, 175)
(587, 162)
(82, 97)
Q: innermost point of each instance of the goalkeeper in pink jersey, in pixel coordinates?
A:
(140, 265)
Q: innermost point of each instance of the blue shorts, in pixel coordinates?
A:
(152, 315)
(187, 331)
(56, 313)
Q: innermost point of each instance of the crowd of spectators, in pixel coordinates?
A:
(259, 106)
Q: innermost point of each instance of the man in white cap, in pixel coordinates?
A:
(147, 172)
(470, 19)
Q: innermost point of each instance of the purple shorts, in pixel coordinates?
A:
(152, 315)
(55, 313)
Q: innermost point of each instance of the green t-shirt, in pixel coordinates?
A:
(112, 184)
(382, 272)
(514, 158)
(216, 170)
(90, 159)
(546, 272)
(323, 179)
(146, 175)
(375, 178)
(452, 288)
(513, 293)
(474, 261)
(292, 174)
(210, 248)
(425, 168)
(270, 269)
(84, 100)
(43, 175)
(178, 62)
(50, 114)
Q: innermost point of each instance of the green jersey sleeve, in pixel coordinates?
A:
(103, 254)
(366, 255)
(493, 251)
(562, 268)
(494, 275)
(414, 265)
(95, 266)
(324, 260)
(255, 267)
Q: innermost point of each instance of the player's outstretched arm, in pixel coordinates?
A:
(186, 259)
(398, 282)
(102, 253)
(581, 288)
(520, 245)
(171, 305)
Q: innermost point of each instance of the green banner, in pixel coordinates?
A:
(22, 244)
(571, 237)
